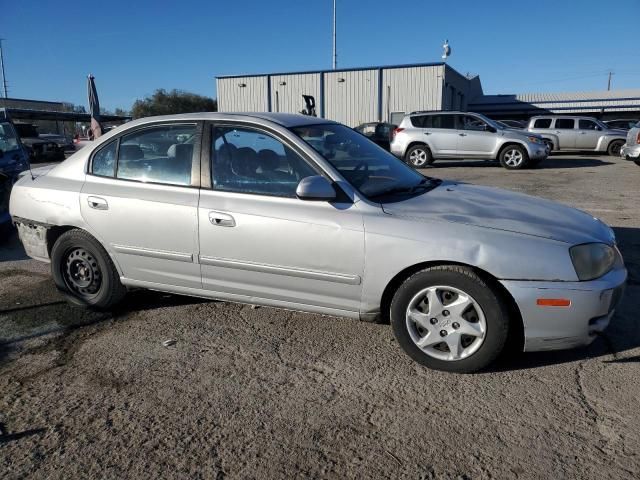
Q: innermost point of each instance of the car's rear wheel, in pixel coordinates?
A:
(614, 148)
(83, 271)
(419, 156)
(514, 157)
(448, 318)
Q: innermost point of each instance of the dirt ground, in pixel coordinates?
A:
(266, 393)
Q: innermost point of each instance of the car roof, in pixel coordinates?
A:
(285, 119)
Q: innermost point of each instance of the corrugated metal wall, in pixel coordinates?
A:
(253, 97)
(287, 91)
(351, 97)
(412, 88)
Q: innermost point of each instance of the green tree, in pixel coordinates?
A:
(164, 102)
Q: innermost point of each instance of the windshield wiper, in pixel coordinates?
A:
(426, 183)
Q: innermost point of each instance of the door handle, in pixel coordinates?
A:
(427, 133)
(462, 134)
(220, 219)
(98, 203)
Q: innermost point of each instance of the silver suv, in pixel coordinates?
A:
(423, 137)
(575, 133)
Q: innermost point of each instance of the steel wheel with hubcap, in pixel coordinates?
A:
(81, 273)
(446, 323)
(419, 156)
(513, 157)
(449, 318)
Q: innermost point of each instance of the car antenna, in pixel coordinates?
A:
(4, 115)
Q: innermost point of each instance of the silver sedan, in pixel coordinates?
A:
(303, 213)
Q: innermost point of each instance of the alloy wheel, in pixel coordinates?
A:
(513, 157)
(418, 158)
(446, 323)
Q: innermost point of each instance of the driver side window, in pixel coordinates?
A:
(245, 160)
(469, 122)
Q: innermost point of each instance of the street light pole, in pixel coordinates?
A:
(335, 54)
(609, 81)
(4, 77)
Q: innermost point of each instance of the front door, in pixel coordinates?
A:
(588, 134)
(476, 138)
(259, 242)
(564, 129)
(140, 200)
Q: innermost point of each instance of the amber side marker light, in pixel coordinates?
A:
(553, 302)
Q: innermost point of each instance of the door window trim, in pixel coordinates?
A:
(206, 180)
(195, 160)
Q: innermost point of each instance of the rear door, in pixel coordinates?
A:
(441, 134)
(588, 134)
(140, 199)
(564, 128)
(475, 137)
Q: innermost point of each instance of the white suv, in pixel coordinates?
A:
(423, 137)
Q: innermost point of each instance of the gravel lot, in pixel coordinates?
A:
(265, 393)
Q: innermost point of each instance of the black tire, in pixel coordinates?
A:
(489, 299)
(418, 156)
(509, 157)
(637, 162)
(78, 259)
(549, 143)
(613, 150)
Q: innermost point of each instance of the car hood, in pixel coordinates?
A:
(498, 209)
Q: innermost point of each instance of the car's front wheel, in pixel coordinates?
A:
(448, 318)
(419, 156)
(514, 157)
(83, 271)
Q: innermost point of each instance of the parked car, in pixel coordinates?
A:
(42, 149)
(623, 124)
(243, 208)
(65, 143)
(631, 149)
(14, 157)
(517, 124)
(573, 133)
(378, 132)
(5, 218)
(424, 137)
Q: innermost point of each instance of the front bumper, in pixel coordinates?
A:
(538, 151)
(554, 328)
(630, 152)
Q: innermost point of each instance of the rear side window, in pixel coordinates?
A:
(443, 121)
(542, 123)
(565, 123)
(104, 161)
(420, 121)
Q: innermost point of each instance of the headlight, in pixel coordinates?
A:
(534, 139)
(592, 260)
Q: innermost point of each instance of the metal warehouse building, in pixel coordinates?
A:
(358, 95)
(352, 96)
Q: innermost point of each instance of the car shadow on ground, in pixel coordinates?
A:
(551, 162)
(622, 335)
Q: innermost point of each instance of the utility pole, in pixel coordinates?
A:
(609, 82)
(335, 53)
(4, 77)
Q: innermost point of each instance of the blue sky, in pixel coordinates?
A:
(134, 47)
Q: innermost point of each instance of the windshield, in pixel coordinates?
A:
(8, 138)
(368, 167)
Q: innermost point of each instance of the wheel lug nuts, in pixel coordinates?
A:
(456, 325)
(445, 313)
(433, 321)
(443, 333)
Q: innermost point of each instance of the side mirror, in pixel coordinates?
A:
(316, 188)
(489, 128)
